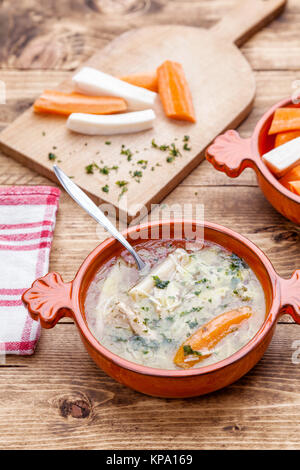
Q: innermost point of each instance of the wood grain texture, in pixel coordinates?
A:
(62, 34)
(58, 398)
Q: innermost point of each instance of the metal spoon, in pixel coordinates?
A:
(88, 205)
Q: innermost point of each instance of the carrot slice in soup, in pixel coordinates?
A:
(57, 102)
(143, 80)
(291, 175)
(284, 137)
(285, 119)
(208, 336)
(174, 92)
(294, 186)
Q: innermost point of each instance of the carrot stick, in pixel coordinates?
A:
(57, 102)
(291, 175)
(143, 80)
(294, 186)
(284, 137)
(285, 119)
(174, 92)
(208, 336)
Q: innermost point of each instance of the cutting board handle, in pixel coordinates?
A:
(246, 18)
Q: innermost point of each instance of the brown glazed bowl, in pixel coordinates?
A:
(50, 299)
(232, 154)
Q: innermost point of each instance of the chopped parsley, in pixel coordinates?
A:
(108, 142)
(174, 151)
(194, 309)
(192, 324)
(137, 174)
(237, 263)
(166, 339)
(105, 188)
(240, 292)
(163, 147)
(124, 189)
(154, 144)
(144, 163)
(52, 156)
(170, 318)
(187, 350)
(89, 169)
(104, 170)
(159, 283)
(121, 183)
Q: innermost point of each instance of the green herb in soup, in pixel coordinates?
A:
(163, 319)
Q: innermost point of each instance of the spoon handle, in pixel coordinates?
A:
(90, 207)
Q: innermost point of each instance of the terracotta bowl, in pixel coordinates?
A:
(232, 154)
(50, 299)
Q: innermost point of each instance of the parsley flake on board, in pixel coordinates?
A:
(89, 169)
(122, 184)
(126, 152)
(186, 147)
(104, 170)
(137, 174)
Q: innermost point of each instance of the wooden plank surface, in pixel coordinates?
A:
(58, 398)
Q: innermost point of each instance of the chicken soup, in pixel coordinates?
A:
(196, 306)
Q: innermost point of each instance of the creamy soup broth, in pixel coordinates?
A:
(145, 319)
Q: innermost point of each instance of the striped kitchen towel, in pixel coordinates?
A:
(27, 220)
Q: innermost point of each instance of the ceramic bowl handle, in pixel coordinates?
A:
(231, 154)
(49, 299)
(290, 296)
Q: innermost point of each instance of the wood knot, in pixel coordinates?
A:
(288, 235)
(233, 428)
(75, 408)
(119, 7)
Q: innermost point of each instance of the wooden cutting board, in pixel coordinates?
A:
(222, 86)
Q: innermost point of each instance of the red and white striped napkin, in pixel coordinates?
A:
(27, 220)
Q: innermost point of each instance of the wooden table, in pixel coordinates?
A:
(58, 398)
